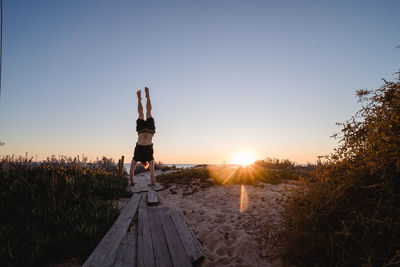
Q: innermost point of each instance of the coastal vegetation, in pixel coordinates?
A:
(55, 209)
(348, 214)
(268, 170)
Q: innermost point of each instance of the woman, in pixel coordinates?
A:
(144, 146)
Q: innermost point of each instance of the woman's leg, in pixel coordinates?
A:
(139, 105)
(148, 103)
(152, 176)
(132, 171)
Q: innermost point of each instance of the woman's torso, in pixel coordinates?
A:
(145, 139)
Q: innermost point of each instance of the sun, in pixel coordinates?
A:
(244, 158)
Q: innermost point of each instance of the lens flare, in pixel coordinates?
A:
(244, 199)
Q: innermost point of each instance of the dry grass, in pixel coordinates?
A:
(348, 214)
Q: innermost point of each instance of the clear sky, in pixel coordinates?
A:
(271, 77)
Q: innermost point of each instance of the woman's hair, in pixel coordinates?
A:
(147, 165)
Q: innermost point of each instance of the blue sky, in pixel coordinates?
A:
(271, 77)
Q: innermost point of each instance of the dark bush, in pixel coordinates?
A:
(349, 214)
(55, 209)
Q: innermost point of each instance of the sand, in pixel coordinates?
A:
(227, 235)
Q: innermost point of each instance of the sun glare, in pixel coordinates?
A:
(244, 158)
(244, 199)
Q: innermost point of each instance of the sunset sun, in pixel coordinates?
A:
(244, 158)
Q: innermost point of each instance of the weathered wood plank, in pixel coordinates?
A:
(161, 252)
(152, 198)
(105, 252)
(138, 188)
(145, 252)
(157, 187)
(126, 254)
(177, 251)
(192, 248)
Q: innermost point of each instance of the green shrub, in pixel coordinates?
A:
(253, 174)
(276, 164)
(348, 215)
(54, 210)
(193, 176)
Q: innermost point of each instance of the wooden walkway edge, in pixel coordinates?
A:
(188, 240)
(125, 256)
(158, 238)
(176, 249)
(106, 250)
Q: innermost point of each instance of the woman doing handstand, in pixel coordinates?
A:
(144, 146)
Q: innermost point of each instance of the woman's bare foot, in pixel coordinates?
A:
(139, 95)
(146, 90)
(132, 184)
(152, 184)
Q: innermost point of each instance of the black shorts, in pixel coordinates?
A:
(143, 126)
(143, 154)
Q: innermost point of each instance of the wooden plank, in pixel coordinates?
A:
(126, 255)
(138, 188)
(105, 252)
(157, 187)
(176, 250)
(192, 248)
(152, 198)
(145, 252)
(161, 252)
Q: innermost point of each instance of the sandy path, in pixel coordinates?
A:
(228, 236)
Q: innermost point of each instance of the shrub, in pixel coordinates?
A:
(192, 176)
(276, 164)
(349, 215)
(253, 174)
(54, 210)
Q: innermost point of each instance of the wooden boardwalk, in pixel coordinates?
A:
(146, 235)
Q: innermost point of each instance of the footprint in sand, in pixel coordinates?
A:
(220, 251)
(228, 241)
